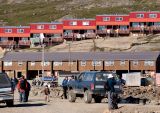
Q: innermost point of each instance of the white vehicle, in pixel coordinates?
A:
(6, 91)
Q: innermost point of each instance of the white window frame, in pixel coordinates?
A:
(57, 63)
(53, 27)
(152, 15)
(122, 62)
(33, 63)
(8, 63)
(70, 63)
(109, 63)
(8, 30)
(135, 63)
(96, 63)
(85, 23)
(45, 63)
(20, 63)
(20, 30)
(83, 63)
(149, 63)
(40, 26)
(73, 23)
(106, 18)
(119, 19)
(139, 15)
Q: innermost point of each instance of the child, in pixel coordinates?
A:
(47, 93)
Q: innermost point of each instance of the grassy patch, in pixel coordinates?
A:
(40, 11)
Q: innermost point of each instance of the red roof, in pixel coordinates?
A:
(112, 23)
(14, 34)
(79, 27)
(46, 31)
(144, 19)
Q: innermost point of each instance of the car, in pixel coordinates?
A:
(88, 84)
(6, 90)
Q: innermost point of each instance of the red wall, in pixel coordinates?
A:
(14, 30)
(99, 18)
(79, 22)
(146, 14)
(46, 26)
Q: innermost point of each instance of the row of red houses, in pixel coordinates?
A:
(102, 25)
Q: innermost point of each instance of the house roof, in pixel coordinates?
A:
(47, 23)
(73, 56)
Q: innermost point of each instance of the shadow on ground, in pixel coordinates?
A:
(29, 105)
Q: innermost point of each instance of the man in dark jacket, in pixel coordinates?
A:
(27, 90)
(112, 96)
(64, 85)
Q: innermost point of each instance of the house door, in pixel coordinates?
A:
(19, 74)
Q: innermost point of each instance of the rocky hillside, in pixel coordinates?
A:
(22, 12)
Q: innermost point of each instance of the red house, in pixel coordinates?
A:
(145, 21)
(14, 36)
(52, 32)
(109, 24)
(79, 28)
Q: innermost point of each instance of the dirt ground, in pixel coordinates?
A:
(37, 104)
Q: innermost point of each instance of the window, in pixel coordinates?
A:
(122, 62)
(152, 15)
(20, 63)
(106, 18)
(135, 24)
(135, 63)
(119, 18)
(70, 63)
(40, 26)
(8, 30)
(33, 63)
(74, 23)
(7, 63)
(96, 63)
(109, 63)
(123, 28)
(83, 63)
(148, 63)
(140, 15)
(100, 77)
(88, 77)
(157, 24)
(57, 64)
(86, 23)
(52, 27)
(20, 30)
(45, 63)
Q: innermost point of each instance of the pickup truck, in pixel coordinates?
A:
(89, 84)
(6, 90)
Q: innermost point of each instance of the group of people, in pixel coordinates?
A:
(65, 87)
(24, 88)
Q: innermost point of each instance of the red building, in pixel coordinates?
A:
(52, 32)
(14, 36)
(145, 21)
(79, 28)
(111, 24)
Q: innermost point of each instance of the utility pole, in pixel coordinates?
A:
(70, 55)
(42, 59)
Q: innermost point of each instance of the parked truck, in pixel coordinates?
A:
(88, 84)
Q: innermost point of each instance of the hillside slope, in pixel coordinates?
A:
(22, 12)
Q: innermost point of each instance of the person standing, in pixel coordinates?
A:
(27, 90)
(22, 86)
(47, 93)
(64, 85)
(112, 96)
